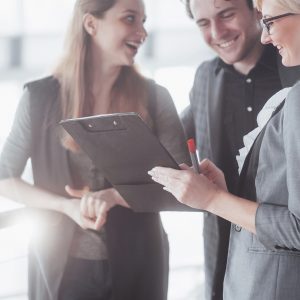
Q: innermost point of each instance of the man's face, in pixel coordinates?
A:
(230, 28)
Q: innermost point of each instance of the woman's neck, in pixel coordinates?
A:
(102, 78)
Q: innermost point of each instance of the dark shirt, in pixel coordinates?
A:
(244, 96)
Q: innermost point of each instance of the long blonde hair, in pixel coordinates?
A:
(130, 92)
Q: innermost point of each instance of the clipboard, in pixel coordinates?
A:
(124, 149)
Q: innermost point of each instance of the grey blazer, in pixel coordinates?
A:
(266, 266)
(201, 119)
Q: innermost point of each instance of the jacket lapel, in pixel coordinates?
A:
(215, 89)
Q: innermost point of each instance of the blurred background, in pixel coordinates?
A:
(31, 40)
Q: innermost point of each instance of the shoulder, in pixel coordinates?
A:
(161, 102)
(42, 95)
(41, 87)
(207, 66)
(158, 92)
(292, 105)
(294, 91)
(204, 73)
(293, 97)
(161, 92)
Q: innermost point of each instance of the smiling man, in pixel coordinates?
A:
(232, 29)
(227, 94)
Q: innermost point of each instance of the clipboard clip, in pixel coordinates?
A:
(106, 124)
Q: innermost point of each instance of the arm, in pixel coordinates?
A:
(282, 230)
(16, 152)
(14, 156)
(24, 193)
(276, 224)
(207, 191)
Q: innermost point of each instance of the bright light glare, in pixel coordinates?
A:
(27, 228)
(19, 235)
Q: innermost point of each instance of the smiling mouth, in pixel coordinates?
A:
(279, 48)
(227, 44)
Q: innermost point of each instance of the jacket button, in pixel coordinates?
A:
(237, 228)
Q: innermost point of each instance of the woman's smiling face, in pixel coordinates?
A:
(120, 33)
(284, 32)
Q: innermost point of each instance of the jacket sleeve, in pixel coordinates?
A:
(278, 226)
(16, 149)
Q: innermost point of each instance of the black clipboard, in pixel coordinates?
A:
(124, 149)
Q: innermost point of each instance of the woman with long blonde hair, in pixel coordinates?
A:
(92, 245)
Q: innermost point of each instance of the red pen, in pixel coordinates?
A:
(193, 154)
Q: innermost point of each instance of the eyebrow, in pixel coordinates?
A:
(218, 14)
(130, 11)
(226, 10)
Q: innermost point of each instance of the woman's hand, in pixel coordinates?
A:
(195, 190)
(213, 173)
(92, 208)
(72, 209)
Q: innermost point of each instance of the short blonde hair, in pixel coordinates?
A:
(292, 6)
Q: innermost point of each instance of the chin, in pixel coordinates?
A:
(128, 62)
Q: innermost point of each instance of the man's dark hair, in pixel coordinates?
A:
(189, 12)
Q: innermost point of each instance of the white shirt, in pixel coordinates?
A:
(262, 119)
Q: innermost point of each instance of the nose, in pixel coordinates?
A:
(142, 32)
(217, 30)
(265, 38)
